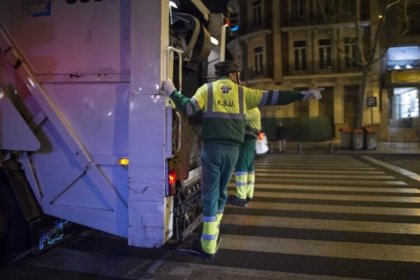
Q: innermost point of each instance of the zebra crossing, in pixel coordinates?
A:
(313, 217)
(332, 216)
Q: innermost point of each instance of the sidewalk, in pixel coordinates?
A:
(335, 147)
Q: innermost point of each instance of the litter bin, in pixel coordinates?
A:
(358, 141)
(371, 142)
(345, 138)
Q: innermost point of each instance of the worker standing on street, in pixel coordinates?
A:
(281, 137)
(224, 104)
(244, 170)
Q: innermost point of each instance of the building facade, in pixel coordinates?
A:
(301, 44)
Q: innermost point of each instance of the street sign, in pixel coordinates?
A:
(372, 101)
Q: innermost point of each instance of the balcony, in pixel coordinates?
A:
(318, 19)
(250, 26)
(312, 68)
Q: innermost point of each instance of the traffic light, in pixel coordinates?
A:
(234, 22)
(233, 17)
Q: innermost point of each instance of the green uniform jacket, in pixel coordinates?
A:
(253, 122)
(224, 105)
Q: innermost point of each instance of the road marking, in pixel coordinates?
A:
(400, 211)
(397, 169)
(348, 181)
(338, 188)
(360, 197)
(353, 250)
(372, 171)
(322, 224)
(299, 174)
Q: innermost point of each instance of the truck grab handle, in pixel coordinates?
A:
(169, 60)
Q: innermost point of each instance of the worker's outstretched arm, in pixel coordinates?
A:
(187, 105)
(278, 97)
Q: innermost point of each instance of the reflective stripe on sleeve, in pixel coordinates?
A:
(192, 107)
(264, 98)
(275, 97)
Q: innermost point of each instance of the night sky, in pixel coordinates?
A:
(216, 6)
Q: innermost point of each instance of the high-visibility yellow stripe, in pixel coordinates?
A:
(250, 184)
(209, 236)
(241, 181)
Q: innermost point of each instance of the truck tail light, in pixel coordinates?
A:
(171, 182)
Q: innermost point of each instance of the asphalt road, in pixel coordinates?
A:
(407, 161)
(314, 216)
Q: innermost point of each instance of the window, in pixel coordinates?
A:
(406, 103)
(348, 7)
(298, 12)
(298, 8)
(329, 9)
(256, 9)
(299, 55)
(325, 54)
(258, 60)
(414, 21)
(350, 50)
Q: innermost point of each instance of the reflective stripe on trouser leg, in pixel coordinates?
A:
(241, 184)
(251, 184)
(210, 234)
(217, 161)
(219, 219)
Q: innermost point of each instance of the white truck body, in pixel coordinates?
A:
(88, 75)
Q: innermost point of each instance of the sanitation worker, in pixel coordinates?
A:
(244, 170)
(224, 104)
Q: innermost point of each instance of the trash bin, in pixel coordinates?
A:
(345, 138)
(371, 142)
(358, 139)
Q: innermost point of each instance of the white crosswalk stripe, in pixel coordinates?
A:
(355, 210)
(313, 217)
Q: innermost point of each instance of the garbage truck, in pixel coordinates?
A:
(87, 137)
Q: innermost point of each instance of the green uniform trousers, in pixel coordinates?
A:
(244, 170)
(218, 161)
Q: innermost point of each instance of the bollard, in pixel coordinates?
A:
(331, 148)
(300, 148)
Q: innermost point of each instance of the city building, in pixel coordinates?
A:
(340, 45)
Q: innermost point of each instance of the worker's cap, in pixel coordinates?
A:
(223, 68)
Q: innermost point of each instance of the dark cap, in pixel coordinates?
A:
(223, 68)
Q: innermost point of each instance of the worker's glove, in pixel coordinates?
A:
(168, 87)
(312, 94)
